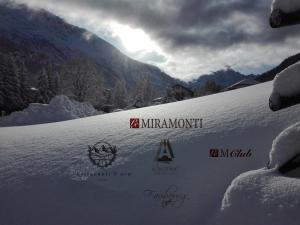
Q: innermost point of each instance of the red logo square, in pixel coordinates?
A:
(214, 153)
(134, 123)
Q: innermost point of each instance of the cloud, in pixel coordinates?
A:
(151, 57)
(190, 22)
(194, 36)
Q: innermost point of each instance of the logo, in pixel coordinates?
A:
(214, 153)
(164, 159)
(171, 197)
(166, 123)
(134, 123)
(165, 152)
(230, 153)
(102, 154)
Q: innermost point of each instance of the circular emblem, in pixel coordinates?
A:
(102, 154)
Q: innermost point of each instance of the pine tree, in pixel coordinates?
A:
(78, 79)
(120, 95)
(144, 93)
(2, 83)
(148, 91)
(10, 84)
(55, 84)
(43, 86)
(23, 83)
(53, 81)
(108, 97)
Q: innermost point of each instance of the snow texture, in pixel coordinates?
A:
(261, 197)
(39, 165)
(285, 146)
(287, 82)
(286, 6)
(266, 196)
(60, 108)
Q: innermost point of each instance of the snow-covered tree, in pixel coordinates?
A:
(2, 84)
(43, 87)
(78, 79)
(210, 87)
(23, 71)
(148, 91)
(11, 96)
(120, 95)
(144, 93)
(53, 81)
(108, 97)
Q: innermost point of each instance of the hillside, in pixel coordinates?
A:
(269, 75)
(39, 39)
(227, 77)
(45, 168)
(224, 78)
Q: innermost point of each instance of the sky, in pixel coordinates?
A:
(185, 38)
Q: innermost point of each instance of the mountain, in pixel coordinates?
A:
(269, 75)
(41, 38)
(227, 77)
(224, 78)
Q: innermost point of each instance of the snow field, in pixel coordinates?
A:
(38, 164)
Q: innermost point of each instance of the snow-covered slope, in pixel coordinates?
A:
(39, 165)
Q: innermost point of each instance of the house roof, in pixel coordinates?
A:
(245, 82)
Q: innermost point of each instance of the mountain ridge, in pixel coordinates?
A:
(224, 78)
(47, 37)
(270, 74)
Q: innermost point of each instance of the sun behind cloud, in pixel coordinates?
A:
(133, 39)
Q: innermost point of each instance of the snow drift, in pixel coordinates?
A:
(261, 197)
(285, 146)
(286, 6)
(45, 168)
(266, 196)
(286, 91)
(287, 82)
(60, 108)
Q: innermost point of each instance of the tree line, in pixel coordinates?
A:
(78, 79)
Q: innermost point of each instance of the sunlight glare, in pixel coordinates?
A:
(133, 40)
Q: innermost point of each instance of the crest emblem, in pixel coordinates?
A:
(102, 154)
